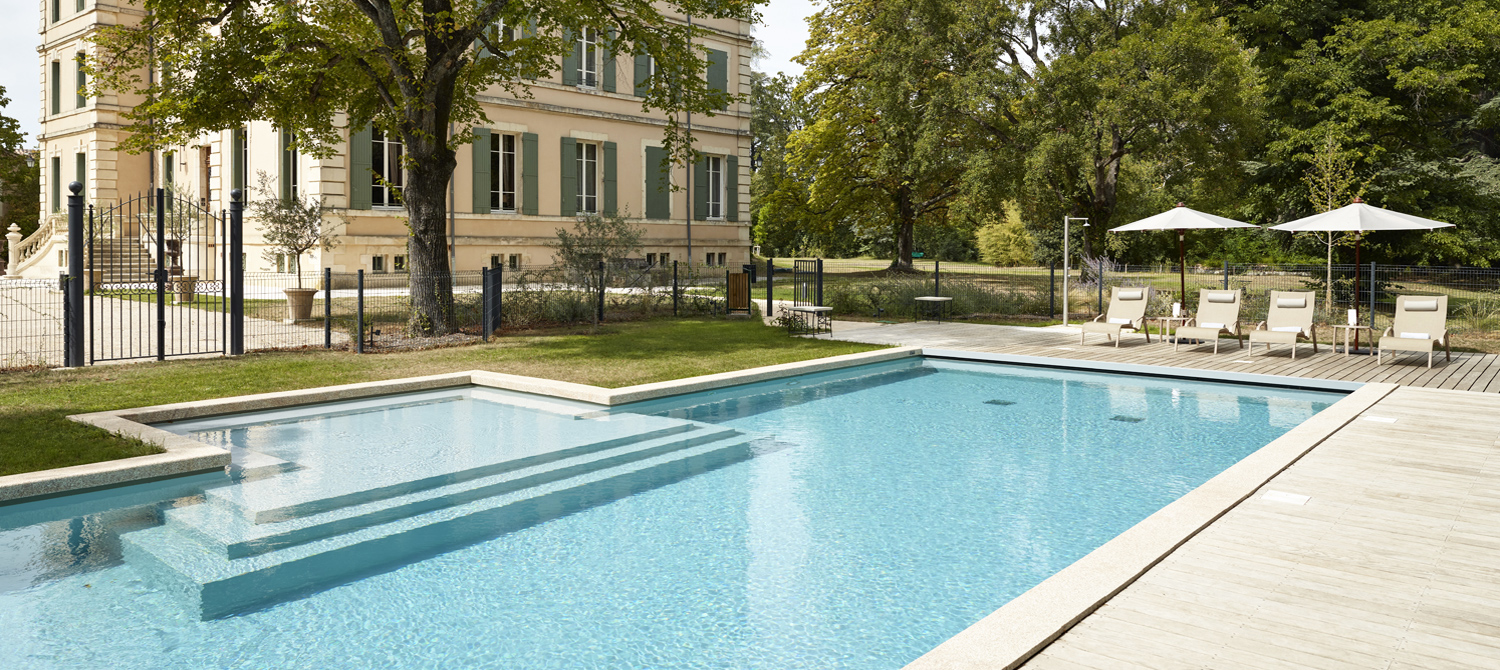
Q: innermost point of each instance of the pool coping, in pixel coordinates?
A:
(184, 455)
(1008, 637)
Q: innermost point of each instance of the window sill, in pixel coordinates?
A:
(505, 211)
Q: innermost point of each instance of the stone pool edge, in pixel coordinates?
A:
(1008, 637)
(184, 455)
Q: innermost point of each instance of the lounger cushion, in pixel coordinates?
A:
(1132, 294)
(1210, 324)
(1421, 305)
(1291, 303)
(1124, 322)
(1287, 329)
(1414, 336)
(1221, 296)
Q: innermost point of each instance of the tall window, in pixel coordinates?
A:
(78, 5)
(385, 160)
(588, 66)
(588, 178)
(56, 10)
(289, 164)
(82, 80)
(56, 87)
(715, 187)
(503, 173)
(56, 184)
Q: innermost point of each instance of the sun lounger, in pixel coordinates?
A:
(1290, 318)
(1127, 311)
(1218, 312)
(1421, 324)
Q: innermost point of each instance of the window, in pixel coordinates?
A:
(721, 260)
(514, 261)
(709, 260)
(56, 87)
(502, 173)
(83, 78)
(80, 170)
(167, 173)
(588, 66)
(588, 178)
(650, 260)
(398, 263)
(666, 258)
(280, 262)
(385, 155)
(715, 187)
(494, 260)
(377, 263)
(56, 10)
(78, 5)
(289, 165)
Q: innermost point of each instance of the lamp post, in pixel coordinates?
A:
(1066, 221)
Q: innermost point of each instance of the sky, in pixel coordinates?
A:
(783, 32)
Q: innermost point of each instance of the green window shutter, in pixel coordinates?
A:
(642, 73)
(359, 168)
(80, 168)
(607, 62)
(569, 179)
(572, 61)
(237, 176)
(481, 171)
(731, 188)
(286, 165)
(611, 184)
(529, 31)
(700, 189)
(529, 197)
(57, 183)
(658, 185)
(718, 70)
(82, 80)
(56, 87)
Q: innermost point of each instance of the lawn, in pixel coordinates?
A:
(34, 405)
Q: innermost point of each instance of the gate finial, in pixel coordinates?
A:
(235, 195)
(75, 187)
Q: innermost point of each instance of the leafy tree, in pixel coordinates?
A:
(20, 175)
(1004, 242)
(414, 70)
(595, 239)
(885, 149)
(1331, 184)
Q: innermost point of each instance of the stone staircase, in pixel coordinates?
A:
(283, 531)
(121, 260)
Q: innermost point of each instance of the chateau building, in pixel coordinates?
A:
(581, 144)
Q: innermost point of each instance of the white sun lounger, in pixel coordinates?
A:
(1218, 312)
(1290, 318)
(1421, 324)
(1127, 311)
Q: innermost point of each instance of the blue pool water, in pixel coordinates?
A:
(843, 520)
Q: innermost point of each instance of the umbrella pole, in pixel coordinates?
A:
(1358, 239)
(1182, 266)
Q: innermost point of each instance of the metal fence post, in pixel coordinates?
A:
(1100, 305)
(770, 275)
(1372, 303)
(599, 315)
(73, 295)
(674, 288)
(1051, 290)
(161, 274)
(484, 304)
(820, 283)
(327, 308)
(937, 278)
(497, 278)
(237, 273)
(1226, 275)
(359, 312)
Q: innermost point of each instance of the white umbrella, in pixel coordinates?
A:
(1358, 218)
(1181, 218)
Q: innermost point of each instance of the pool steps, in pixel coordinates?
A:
(220, 562)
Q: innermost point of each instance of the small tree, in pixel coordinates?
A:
(593, 239)
(291, 227)
(1331, 184)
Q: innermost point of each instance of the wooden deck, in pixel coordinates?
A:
(1391, 562)
(1465, 372)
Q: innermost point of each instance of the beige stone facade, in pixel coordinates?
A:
(80, 135)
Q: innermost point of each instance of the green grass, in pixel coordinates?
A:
(34, 405)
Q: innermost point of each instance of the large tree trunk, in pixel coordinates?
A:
(426, 198)
(1106, 192)
(905, 221)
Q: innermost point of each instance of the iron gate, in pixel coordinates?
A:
(156, 271)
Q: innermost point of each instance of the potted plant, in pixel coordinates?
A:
(291, 227)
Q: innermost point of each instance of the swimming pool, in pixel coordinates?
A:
(848, 519)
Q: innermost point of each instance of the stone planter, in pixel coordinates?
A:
(299, 302)
(185, 288)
